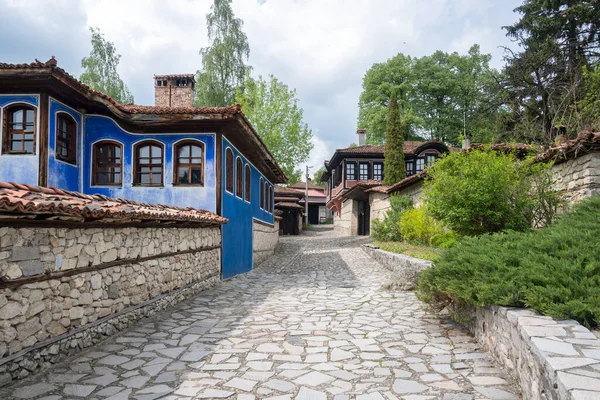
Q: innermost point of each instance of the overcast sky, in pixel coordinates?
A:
(320, 47)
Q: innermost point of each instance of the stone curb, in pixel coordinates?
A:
(405, 268)
(550, 359)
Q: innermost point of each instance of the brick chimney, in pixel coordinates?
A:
(362, 137)
(174, 90)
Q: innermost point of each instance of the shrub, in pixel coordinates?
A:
(388, 230)
(417, 226)
(484, 191)
(444, 240)
(554, 270)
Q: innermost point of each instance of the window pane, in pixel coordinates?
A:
(145, 151)
(29, 116)
(196, 151)
(117, 151)
(116, 175)
(17, 117)
(156, 178)
(157, 160)
(196, 176)
(183, 176)
(184, 152)
(156, 151)
(16, 146)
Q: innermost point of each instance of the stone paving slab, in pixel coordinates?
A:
(311, 323)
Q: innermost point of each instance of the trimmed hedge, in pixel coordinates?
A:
(554, 270)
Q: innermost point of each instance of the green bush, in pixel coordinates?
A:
(484, 191)
(417, 226)
(444, 240)
(388, 230)
(554, 270)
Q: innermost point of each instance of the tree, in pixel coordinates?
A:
(273, 110)
(378, 84)
(223, 62)
(559, 38)
(100, 69)
(397, 128)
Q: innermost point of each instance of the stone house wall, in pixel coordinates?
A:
(578, 178)
(346, 222)
(380, 204)
(57, 282)
(264, 240)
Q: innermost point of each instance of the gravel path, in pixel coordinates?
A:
(310, 323)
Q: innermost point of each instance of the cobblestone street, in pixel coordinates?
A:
(311, 323)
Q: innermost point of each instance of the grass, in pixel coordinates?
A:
(418, 251)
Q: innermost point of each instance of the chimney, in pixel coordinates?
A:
(362, 137)
(174, 90)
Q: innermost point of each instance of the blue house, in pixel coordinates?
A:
(57, 132)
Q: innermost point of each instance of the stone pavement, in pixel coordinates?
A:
(311, 323)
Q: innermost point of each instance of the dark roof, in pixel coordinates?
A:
(176, 76)
(289, 206)
(43, 202)
(407, 181)
(39, 71)
(281, 191)
(378, 189)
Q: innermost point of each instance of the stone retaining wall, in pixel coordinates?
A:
(578, 178)
(264, 240)
(406, 269)
(551, 360)
(56, 283)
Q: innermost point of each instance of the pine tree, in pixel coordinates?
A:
(394, 166)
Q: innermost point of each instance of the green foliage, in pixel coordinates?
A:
(483, 191)
(387, 230)
(554, 270)
(100, 69)
(417, 226)
(544, 80)
(589, 106)
(397, 127)
(444, 240)
(273, 110)
(442, 96)
(224, 66)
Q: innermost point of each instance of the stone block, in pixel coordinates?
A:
(10, 310)
(28, 328)
(25, 253)
(13, 271)
(76, 313)
(31, 268)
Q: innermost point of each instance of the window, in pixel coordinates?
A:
(420, 164)
(261, 194)
(239, 176)
(148, 169)
(430, 159)
(350, 171)
(363, 173)
(229, 170)
(271, 199)
(19, 130)
(410, 168)
(189, 168)
(266, 197)
(378, 171)
(247, 194)
(66, 139)
(107, 169)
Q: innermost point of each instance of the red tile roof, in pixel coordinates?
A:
(407, 181)
(585, 143)
(378, 189)
(41, 201)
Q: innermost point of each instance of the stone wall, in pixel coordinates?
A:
(578, 178)
(550, 359)
(57, 282)
(264, 240)
(380, 204)
(406, 269)
(346, 222)
(414, 191)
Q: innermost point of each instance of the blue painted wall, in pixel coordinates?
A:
(62, 174)
(98, 128)
(237, 234)
(20, 168)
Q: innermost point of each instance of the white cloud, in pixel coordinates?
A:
(320, 47)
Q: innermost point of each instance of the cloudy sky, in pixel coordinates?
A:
(320, 47)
